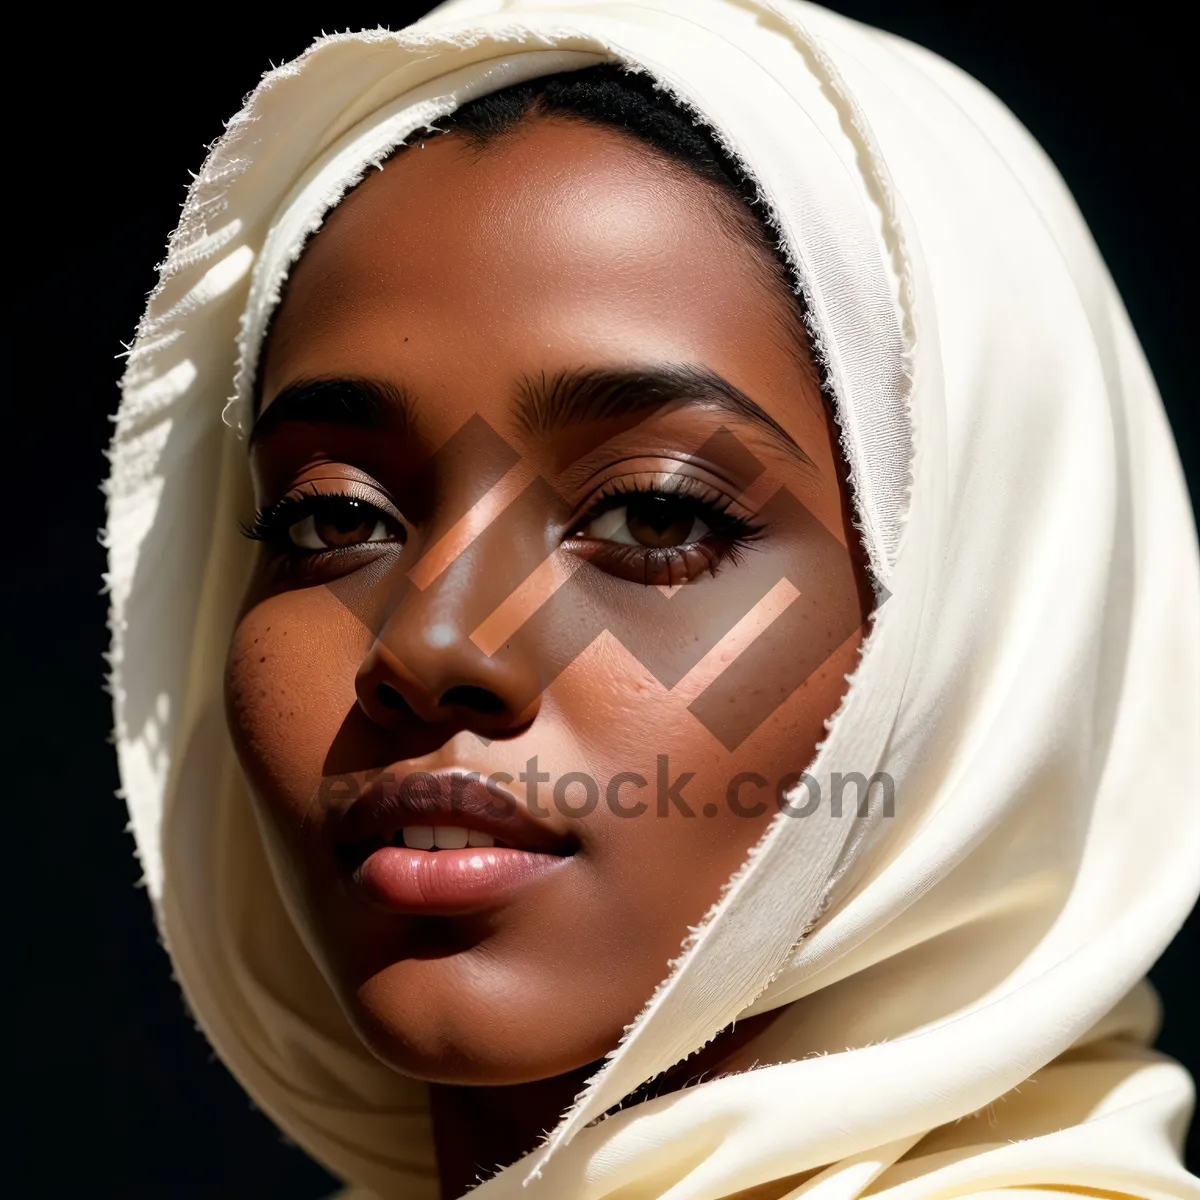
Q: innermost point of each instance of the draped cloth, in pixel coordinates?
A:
(965, 1011)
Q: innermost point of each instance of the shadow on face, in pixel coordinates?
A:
(557, 588)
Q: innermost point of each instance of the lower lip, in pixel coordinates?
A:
(447, 882)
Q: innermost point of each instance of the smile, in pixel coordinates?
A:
(444, 844)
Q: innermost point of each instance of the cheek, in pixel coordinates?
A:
(289, 684)
(668, 863)
(764, 721)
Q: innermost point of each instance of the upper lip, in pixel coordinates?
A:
(441, 798)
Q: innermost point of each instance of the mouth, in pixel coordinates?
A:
(444, 844)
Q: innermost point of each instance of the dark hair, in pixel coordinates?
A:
(607, 95)
(631, 102)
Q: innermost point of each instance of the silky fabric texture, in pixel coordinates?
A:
(962, 979)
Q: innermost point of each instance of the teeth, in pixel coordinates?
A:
(418, 837)
(441, 837)
(449, 837)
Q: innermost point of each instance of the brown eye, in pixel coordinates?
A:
(657, 522)
(661, 521)
(341, 522)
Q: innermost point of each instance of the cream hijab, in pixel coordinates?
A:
(963, 980)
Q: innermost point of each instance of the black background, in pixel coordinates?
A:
(118, 1094)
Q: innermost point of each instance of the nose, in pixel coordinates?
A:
(424, 667)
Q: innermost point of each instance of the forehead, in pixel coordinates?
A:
(558, 244)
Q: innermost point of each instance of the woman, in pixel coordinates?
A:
(707, 711)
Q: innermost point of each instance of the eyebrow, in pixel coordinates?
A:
(359, 403)
(549, 403)
(544, 405)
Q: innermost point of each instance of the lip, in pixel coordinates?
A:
(368, 840)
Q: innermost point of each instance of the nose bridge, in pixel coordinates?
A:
(424, 647)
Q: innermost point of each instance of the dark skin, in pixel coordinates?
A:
(454, 281)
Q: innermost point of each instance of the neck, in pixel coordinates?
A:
(478, 1130)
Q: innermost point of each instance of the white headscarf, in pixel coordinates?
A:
(963, 980)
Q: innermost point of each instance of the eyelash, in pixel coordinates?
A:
(728, 535)
(272, 523)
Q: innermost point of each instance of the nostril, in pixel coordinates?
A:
(390, 697)
(475, 698)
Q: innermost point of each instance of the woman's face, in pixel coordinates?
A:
(544, 474)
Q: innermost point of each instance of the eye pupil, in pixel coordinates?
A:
(660, 521)
(349, 516)
(345, 523)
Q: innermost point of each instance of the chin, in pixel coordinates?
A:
(491, 1033)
